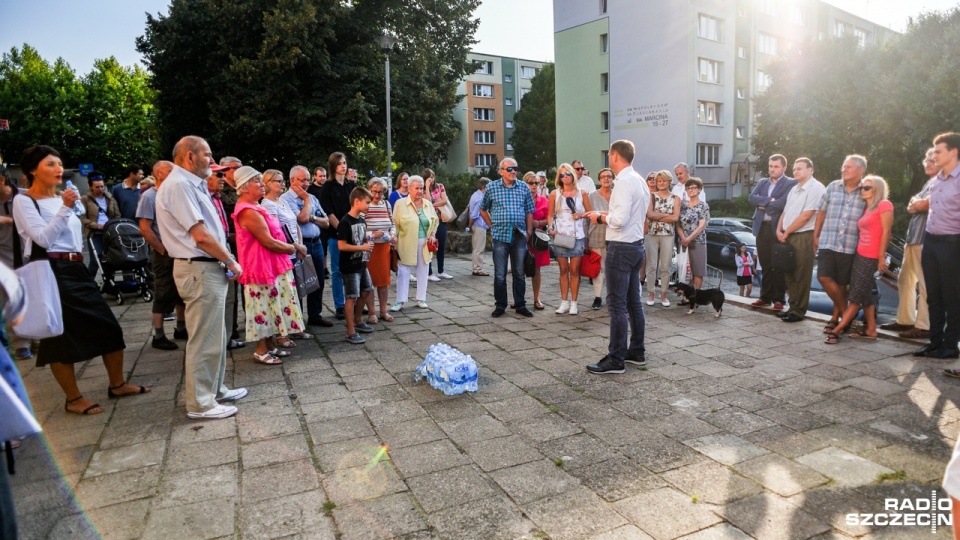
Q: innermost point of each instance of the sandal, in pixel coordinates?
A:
(86, 412)
(284, 342)
(386, 317)
(112, 395)
(832, 338)
(267, 358)
(831, 324)
(372, 319)
(862, 334)
(279, 353)
(301, 335)
(538, 305)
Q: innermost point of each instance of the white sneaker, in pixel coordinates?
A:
(397, 306)
(433, 278)
(216, 413)
(574, 310)
(421, 304)
(234, 395)
(445, 275)
(413, 279)
(564, 307)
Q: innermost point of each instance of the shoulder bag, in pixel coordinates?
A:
(447, 213)
(561, 240)
(590, 264)
(304, 272)
(43, 317)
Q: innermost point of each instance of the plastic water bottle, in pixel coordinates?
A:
(366, 254)
(78, 208)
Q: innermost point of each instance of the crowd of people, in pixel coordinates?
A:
(214, 225)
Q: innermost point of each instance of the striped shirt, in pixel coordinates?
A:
(378, 218)
(285, 215)
(508, 208)
(842, 209)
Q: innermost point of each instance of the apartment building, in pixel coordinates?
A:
(492, 96)
(677, 78)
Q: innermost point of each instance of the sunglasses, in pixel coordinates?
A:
(511, 169)
(578, 168)
(866, 188)
(533, 183)
(221, 174)
(566, 174)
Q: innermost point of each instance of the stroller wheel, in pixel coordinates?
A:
(147, 296)
(119, 298)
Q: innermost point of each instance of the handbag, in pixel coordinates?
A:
(43, 316)
(530, 264)
(304, 272)
(541, 240)
(447, 213)
(432, 245)
(783, 258)
(394, 259)
(464, 218)
(590, 264)
(562, 240)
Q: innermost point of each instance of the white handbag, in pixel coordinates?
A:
(43, 317)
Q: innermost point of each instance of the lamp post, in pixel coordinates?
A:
(387, 41)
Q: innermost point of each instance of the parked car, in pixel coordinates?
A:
(731, 223)
(820, 302)
(722, 245)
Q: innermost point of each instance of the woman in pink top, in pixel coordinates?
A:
(874, 225)
(272, 305)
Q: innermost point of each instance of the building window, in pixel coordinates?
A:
(768, 7)
(485, 115)
(764, 80)
(861, 36)
(485, 160)
(508, 102)
(484, 137)
(509, 147)
(708, 155)
(841, 29)
(605, 158)
(509, 124)
(483, 90)
(528, 72)
(486, 68)
(508, 78)
(708, 28)
(741, 131)
(604, 121)
(709, 71)
(767, 44)
(604, 43)
(741, 93)
(708, 113)
(604, 83)
(798, 16)
(603, 7)
(741, 52)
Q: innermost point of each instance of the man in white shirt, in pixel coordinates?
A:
(584, 182)
(193, 236)
(624, 220)
(682, 172)
(795, 227)
(478, 227)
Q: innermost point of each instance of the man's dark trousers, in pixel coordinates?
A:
(773, 286)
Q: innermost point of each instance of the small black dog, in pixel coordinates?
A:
(700, 297)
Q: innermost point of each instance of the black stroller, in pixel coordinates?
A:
(124, 251)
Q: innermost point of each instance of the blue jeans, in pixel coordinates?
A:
(336, 278)
(516, 250)
(623, 265)
(315, 299)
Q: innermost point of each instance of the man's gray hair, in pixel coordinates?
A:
(296, 168)
(504, 161)
(682, 164)
(861, 161)
(229, 159)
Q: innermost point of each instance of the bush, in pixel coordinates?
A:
(738, 207)
(459, 187)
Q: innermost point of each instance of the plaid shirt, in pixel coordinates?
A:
(839, 232)
(508, 208)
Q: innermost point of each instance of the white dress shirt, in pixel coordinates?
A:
(183, 203)
(628, 207)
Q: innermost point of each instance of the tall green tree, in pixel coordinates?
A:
(283, 81)
(535, 134)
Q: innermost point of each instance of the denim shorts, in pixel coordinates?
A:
(575, 251)
(354, 284)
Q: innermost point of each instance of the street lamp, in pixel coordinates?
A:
(387, 41)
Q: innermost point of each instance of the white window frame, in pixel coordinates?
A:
(768, 44)
(486, 68)
(742, 52)
(708, 155)
(484, 160)
(508, 124)
(708, 113)
(604, 43)
(478, 90)
(482, 114)
(508, 78)
(484, 137)
(741, 132)
(604, 83)
(768, 7)
(508, 102)
(741, 93)
(709, 71)
(708, 27)
(764, 80)
(509, 147)
(528, 72)
(605, 158)
(861, 36)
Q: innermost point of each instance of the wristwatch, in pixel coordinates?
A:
(599, 218)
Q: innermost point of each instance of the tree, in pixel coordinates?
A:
(292, 81)
(535, 134)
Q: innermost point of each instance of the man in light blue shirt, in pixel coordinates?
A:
(312, 219)
(478, 227)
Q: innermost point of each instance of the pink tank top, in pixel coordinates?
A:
(260, 265)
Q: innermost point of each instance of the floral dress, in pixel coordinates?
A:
(690, 217)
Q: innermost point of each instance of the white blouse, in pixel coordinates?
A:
(56, 228)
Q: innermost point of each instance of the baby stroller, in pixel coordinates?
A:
(124, 251)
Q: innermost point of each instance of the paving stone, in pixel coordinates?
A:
(627, 532)
(644, 409)
(720, 531)
(265, 407)
(832, 504)
(616, 478)
(301, 514)
(736, 420)
(780, 475)
(73, 527)
(555, 394)
(622, 431)
(279, 480)
(661, 454)
(577, 450)
(478, 428)
(453, 408)
(767, 516)
(121, 521)
(840, 412)
(875, 385)
(110, 489)
(785, 442)
(199, 432)
(516, 408)
(124, 458)
(533, 481)
(258, 429)
(666, 513)
(452, 487)
(493, 518)
(271, 451)
(380, 395)
(410, 433)
(392, 516)
(493, 454)
(544, 427)
(794, 418)
(748, 401)
(916, 464)
(725, 448)
(348, 454)
(711, 483)
(427, 458)
(330, 410)
(116, 435)
(798, 397)
(845, 468)
(681, 426)
(573, 514)
(849, 438)
(219, 482)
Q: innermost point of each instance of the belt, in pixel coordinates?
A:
(199, 259)
(313, 240)
(637, 243)
(943, 237)
(65, 256)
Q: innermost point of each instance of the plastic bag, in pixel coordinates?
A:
(448, 370)
(43, 317)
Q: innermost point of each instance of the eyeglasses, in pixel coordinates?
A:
(533, 183)
(930, 161)
(277, 181)
(607, 176)
(578, 168)
(511, 169)
(692, 187)
(376, 192)
(866, 188)
(221, 174)
(566, 174)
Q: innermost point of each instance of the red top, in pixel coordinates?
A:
(260, 265)
(871, 230)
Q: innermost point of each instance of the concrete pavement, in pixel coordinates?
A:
(739, 427)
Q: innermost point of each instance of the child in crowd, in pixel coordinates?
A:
(355, 247)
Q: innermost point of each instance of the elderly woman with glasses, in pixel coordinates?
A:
(874, 226)
(379, 218)
(271, 302)
(416, 223)
(568, 206)
(694, 216)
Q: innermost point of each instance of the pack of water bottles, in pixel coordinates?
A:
(448, 370)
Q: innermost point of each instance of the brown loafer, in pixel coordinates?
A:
(915, 333)
(896, 327)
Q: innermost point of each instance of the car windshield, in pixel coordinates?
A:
(745, 237)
